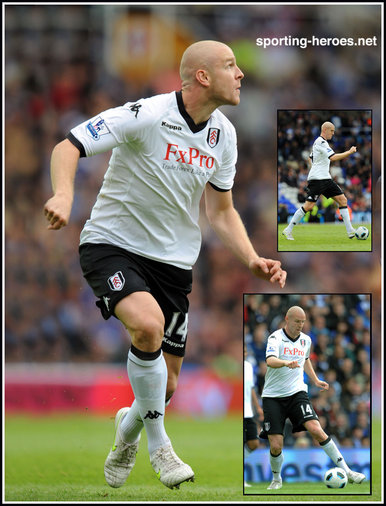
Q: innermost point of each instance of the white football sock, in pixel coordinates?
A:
(346, 219)
(148, 380)
(296, 218)
(132, 423)
(332, 451)
(276, 465)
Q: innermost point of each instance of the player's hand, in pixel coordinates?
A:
(353, 149)
(322, 385)
(268, 269)
(293, 365)
(57, 210)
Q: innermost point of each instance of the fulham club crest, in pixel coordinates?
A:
(213, 137)
(303, 342)
(116, 282)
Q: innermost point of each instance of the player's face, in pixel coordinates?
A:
(225, 79)
(294, 325)
(329, 132)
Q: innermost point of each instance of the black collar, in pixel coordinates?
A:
(289, 337)
(191, 124)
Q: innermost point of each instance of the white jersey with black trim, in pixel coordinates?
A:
(161, 161)
(283, 381)
(248, 385)
(320, 156)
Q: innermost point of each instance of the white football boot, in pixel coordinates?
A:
(121, 458)
(354, 477)
(169, 468)
(287, 234)
(275, 485)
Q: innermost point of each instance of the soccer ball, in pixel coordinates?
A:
(361, 233)
(335, 478)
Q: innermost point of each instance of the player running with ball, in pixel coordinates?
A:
(285, 395)
(143, 237)
(320, 181)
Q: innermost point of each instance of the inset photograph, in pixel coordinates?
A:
(307, 394)
(324, 180)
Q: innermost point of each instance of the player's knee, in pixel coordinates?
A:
(276, 447)
(253, 444)
(148, 336)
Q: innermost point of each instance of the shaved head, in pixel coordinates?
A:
(327, 130)
(327, 124)
(210, 78)
(200, 55)
(296, 311)
(294, 321)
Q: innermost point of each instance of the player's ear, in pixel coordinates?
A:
(203, 77)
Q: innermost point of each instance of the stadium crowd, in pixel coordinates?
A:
(56, 75)
(297, 131)
(339, 326)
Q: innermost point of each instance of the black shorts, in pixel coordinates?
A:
(113, 273)
(318, 187)
(250, 429)
(297, 408)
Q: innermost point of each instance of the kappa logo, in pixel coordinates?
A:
(153, 415)
(213, 137)
(116, 281)
(106, 300)
(135, 108)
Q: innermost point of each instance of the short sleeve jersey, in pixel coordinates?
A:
(283, 381)
(161, 161)
(320, 156)
(248, 385)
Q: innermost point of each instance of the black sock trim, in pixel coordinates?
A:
(144, 355)
(274, 456)
(326, 441)
(343, 207)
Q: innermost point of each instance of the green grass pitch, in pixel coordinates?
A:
(322, 237)
(60, 459)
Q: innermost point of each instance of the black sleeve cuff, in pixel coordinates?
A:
(77, 144)
(218, 189)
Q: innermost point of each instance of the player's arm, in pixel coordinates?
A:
(227, 224)
(64, 162)
(258, 408)
(276, 363)
(340, 156)
(309, 370)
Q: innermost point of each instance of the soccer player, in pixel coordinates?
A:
(320, 181)
(142, 239)
(251, 440)
(285, 395)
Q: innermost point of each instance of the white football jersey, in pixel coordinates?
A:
(160, 163)
(283, 381)
(248, 385)
(320, 156)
